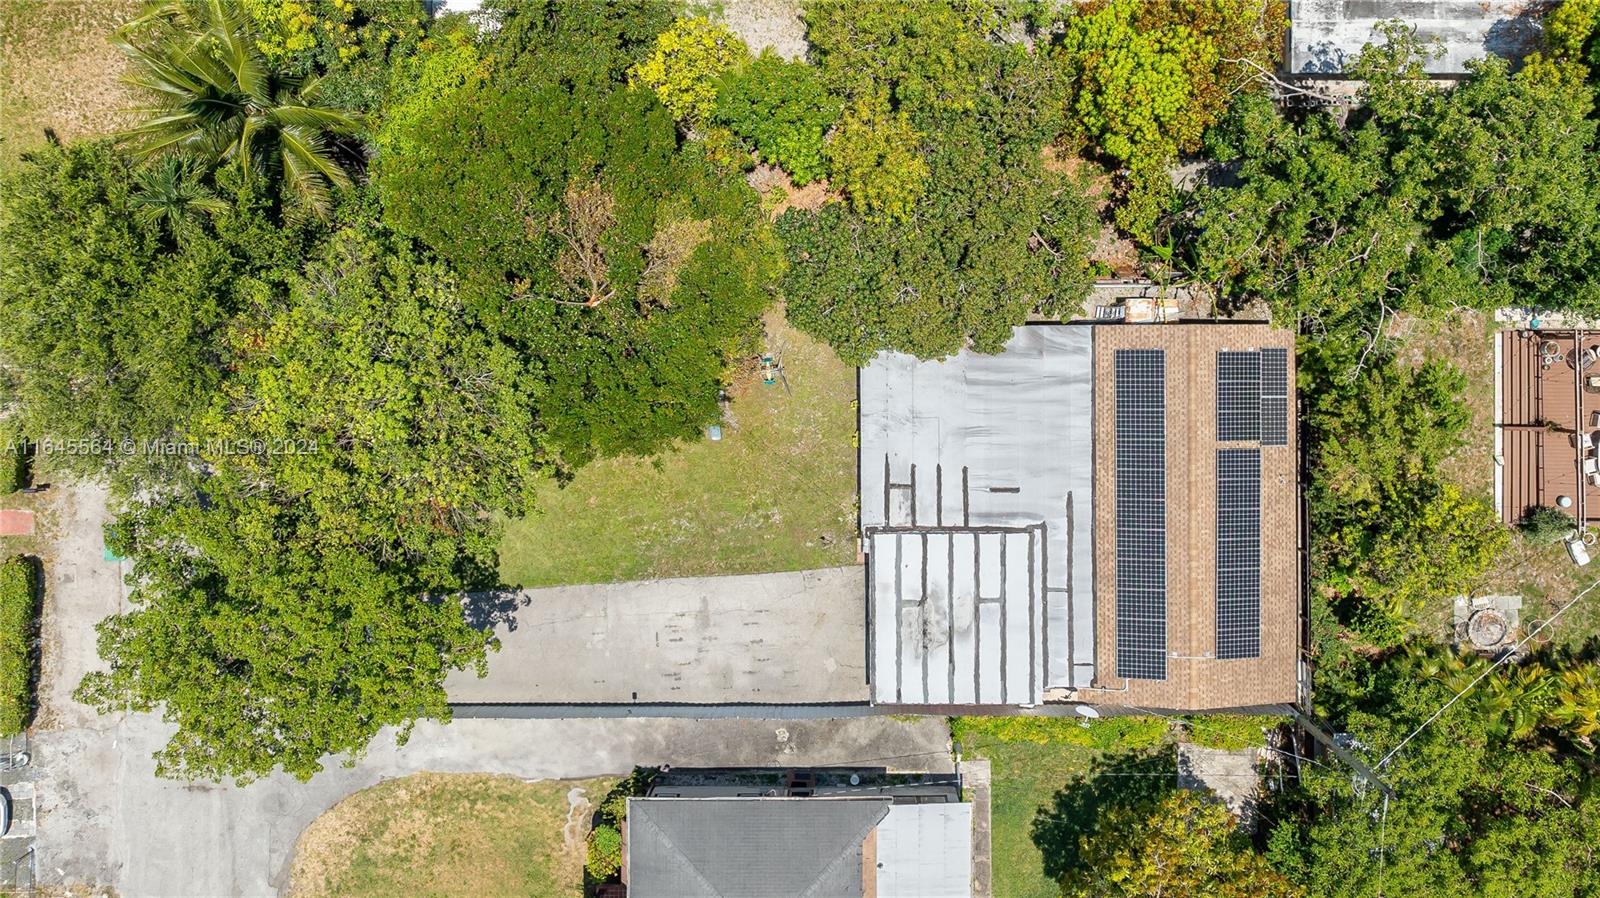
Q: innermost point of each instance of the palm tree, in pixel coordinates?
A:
(213, 97)
(170, 194)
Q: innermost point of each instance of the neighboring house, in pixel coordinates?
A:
(1101, 514)
(1326, 36)
(888, 843)
(1547, 421)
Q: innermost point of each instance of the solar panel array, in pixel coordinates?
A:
(1141, 452)
(1238, 396)
(1238, 553)
(1274, 397)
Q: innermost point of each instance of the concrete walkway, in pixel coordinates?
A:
(105, 819)
(786, 638)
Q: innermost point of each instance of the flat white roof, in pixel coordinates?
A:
(1326, 36)
(925, 851)
(976, 509)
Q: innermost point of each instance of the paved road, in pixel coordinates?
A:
(796, 637)
(105, 819)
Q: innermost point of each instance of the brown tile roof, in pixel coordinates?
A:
(1539, 407)
(1195, 678)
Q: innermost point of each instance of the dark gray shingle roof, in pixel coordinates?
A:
(748, 847)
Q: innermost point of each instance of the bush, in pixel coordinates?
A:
(784, 110)
(605, 852)
(875, 160)
(13, 468)
(688, 59)
(1108, 733)
(17, 621)
(1231, 731)
(1546, 525)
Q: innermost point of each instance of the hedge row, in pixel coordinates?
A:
(17, 620)
(13, 469)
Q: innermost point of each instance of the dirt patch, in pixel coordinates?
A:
(448, 835)
(1116, 252)
(779, 195)
(58, 70)
(767, 23)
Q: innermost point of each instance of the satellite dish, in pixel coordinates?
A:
(855, 779)
(1088, 712)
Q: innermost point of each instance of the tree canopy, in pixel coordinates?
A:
(957, 229)
(114, 327)
(313, 596)
(624, 268)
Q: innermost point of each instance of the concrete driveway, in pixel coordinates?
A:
(105, 819)
(788, 638)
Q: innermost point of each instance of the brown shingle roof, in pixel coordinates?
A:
(1195, 678)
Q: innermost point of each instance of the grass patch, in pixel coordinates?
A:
(776, 493)
(19, 619)
(446, 835)
(58, 70)
(1032, 759)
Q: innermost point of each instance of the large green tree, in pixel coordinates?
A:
(1470, 813)
(1388, 529)
(114, 327)
(990, 233)
(625, 269)
(1185, 844)
(310, 593)
(1424, 201)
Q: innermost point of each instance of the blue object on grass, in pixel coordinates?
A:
(112, 556)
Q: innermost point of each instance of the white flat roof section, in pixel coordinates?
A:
(1326, 36)
(925, 851)
(976, 511)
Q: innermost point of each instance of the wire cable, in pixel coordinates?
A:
(1504, 656)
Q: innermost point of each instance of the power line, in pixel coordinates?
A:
(1504, 657)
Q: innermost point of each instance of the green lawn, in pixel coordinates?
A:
(1032, 759)
(776, 493)
(446, 835)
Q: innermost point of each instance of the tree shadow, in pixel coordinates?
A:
(1116, 781)
(493, 608)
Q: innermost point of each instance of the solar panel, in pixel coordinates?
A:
(1238, 396)
(1238, 553)
(1274, 397)
(1141, 450)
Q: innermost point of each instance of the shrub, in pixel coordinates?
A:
(1231, 731)
(689, 58)
(13, 468)
(1108, 733)
(17, 620)
(605, 852)
(1546, 525)
(875, 160)
(784, 110)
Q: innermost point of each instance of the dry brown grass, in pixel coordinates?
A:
(58, 70)
(448, 835)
